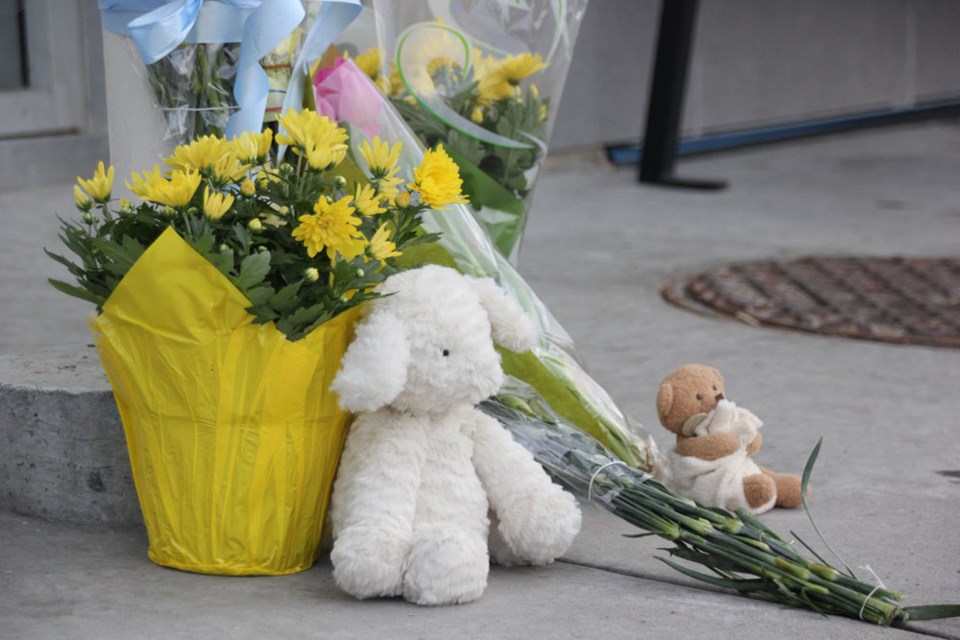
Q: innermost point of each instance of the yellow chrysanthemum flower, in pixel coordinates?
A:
(382, 160)
(438, 179)
(315, 137)
(175, 191)
(229, 168)
(215, 204)
(199, 154)
(252, 148)
(142, 185)
(367, 201)
(542, 112)
(501, 80)
(477, 114)
(81, 198)
(381, 247)
(332, 227)
(100, 185)
(369, 62)
(380, 156)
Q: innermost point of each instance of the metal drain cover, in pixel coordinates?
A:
(902, 300)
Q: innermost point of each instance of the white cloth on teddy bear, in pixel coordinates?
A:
(719, 483)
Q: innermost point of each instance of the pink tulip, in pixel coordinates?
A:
(344, 93)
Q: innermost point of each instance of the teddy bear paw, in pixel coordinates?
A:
(539, 527)
(368, 562)
(447, 565)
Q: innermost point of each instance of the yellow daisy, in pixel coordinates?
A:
(252, 148)
(381, 247)
(367, 201)
(175, 191)
(369, 62)
(315, 137)
(142, 185)
(100, 185)
(380, 156)
(500, 81)
(438, 180)
(82, 200)
(332, 227)
(215, 204)
(200, 153)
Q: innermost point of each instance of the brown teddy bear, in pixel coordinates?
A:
(711, 460)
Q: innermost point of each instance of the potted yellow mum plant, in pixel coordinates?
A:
(225, 299)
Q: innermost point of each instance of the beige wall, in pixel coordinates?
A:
(761, 62)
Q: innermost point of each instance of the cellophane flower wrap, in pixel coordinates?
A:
(481, 77)
(226, 299)
(552, 368)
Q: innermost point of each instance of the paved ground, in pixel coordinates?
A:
(886, 491)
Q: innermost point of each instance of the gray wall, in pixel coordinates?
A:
(760, 62)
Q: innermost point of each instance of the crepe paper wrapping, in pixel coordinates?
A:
(232, 433)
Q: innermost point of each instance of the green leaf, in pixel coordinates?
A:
(71, 267)
(222, 261)
(122, 256)
(253, 270)
(804, 483)
(284, 299)
(76, 292)
(932, 611)
(259, 294)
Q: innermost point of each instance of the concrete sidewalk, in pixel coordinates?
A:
(599, 247)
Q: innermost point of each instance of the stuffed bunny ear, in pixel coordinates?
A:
(511, 327)
(373, 372)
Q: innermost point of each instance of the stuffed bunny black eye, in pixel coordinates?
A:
(699, 396)
(446, 352)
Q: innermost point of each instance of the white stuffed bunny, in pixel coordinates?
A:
(423, 471)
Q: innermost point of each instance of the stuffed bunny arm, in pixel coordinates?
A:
(536, 519)
(374, 503)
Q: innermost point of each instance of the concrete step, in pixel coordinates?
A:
(63, 455)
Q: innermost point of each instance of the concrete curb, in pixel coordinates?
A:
(65, 453)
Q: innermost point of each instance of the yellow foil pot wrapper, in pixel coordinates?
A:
(233, 435)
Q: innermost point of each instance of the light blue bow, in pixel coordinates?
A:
(159, 26)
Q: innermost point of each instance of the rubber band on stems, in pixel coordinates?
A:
(596, 473)
(879, 586)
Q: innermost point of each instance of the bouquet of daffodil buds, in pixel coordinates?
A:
(303, 241)
(483, 80)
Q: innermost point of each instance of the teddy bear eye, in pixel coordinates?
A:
(446, 352)
(699, 396)
(714, 387)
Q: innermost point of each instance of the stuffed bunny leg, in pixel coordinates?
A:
(536, 520)
(374, 503)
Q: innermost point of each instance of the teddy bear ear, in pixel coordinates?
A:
(373, 371)
(510, 325)
(664, 402)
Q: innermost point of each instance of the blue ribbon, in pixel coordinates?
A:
(159, 26)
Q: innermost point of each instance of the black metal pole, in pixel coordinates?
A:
(674, 43)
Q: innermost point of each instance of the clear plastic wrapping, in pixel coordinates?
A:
(480, 77)
(551, 369)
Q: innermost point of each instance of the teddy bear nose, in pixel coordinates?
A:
(719, 397)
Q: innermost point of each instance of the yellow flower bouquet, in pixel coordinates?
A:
(483, 79)
(225, 300)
